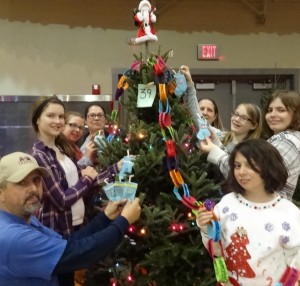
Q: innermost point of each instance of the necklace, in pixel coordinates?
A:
(258, 206)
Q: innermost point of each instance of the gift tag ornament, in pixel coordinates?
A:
(220, 269)
(203, 128)
(126, 166)
(110, 192)
(119, 190)
(99, 138)
(146, 95)
(125, 190)
(181, 84)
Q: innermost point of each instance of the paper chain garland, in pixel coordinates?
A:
(177, 85)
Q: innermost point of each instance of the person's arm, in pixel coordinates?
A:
(87, 158)
(108, 173)
(203, 220)
(190, 96)
(99, 238)
(84, 162)
(216, 155)
(290, 155)
(56, 187)
(83, 252)
(191, 101)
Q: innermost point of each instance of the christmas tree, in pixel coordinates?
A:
(164, 246)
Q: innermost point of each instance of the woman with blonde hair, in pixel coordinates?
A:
(246, 123)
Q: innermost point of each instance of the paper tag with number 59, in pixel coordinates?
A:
(146, 95)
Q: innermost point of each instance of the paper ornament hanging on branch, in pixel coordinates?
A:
(144, 18)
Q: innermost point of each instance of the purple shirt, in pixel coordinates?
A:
(58, 196)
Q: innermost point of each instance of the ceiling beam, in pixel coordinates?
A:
(261, 13)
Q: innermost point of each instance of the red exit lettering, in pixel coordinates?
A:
(207, 52)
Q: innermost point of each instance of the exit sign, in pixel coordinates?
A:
(208, 52)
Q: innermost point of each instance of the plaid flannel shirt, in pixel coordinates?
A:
(58, 197)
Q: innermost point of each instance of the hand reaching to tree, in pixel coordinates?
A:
(90, 172)
(186, 71)
(206, 145)
(114, 208)
(132, 210)
(210, 142)
(90, 150)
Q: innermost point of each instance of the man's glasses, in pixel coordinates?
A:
(94, 115)
(75, 126)
(243, 118)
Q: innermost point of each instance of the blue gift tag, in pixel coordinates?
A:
(118, 191)
(203, 129)
(125, 190)
(181, 84)
(126, 167)
(110, 191)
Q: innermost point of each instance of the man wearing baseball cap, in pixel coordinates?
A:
(31, 254)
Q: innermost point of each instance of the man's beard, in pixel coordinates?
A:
(32, 208)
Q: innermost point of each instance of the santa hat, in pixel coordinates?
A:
(144, 3)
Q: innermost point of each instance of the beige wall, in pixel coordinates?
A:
(66, 46)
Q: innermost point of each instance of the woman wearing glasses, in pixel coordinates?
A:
(95, 119)
(73, 130)
(282, 115)
(246, 123)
